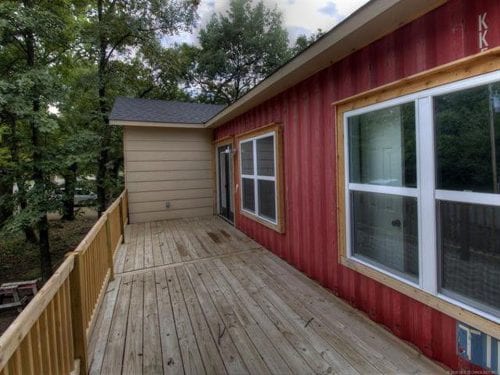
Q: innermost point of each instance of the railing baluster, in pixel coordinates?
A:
(66, 367)
(17, 365)
(27, 356)
(53, 337)
(37, 347)
(44, 332)
(51, 334)
(59, 334)
(122, 221)
(77, 311)
(109, 248)
(67, 298)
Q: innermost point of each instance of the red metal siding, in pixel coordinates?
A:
(309, 243)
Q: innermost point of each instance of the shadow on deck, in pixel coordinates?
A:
(197, 296)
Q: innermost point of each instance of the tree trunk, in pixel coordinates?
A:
(44, 247)
(38, 173)
(6, 207)
(6, 184)
(69, 193)
(40, 187)
(114, 175)
(29, 233)
(102, 166)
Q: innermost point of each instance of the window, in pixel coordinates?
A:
(422, 192)
(467, 137)
(260, 182)
(257, 177)
(382, 188)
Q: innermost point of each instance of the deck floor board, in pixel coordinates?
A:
(196, 296)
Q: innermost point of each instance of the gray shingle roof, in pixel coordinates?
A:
(148, 110)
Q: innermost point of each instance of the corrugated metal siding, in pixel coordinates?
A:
(309, 243)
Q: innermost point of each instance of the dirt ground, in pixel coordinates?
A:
(19, 260)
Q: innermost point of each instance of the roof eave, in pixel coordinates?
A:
(157, 124)
(369, 23)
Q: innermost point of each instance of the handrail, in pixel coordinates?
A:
(18, 330)
(51, 334)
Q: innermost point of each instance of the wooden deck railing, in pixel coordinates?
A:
(51, 334)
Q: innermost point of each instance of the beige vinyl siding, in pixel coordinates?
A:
(150, 186)
(163, 165)
(154, 196)
(168, 155)
(172, 214)
(177, 204)
(138, 176)
(168, 165)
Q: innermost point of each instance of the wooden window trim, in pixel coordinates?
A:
(280, 193)
(229, 140)
(475, 65)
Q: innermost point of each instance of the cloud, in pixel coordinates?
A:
(330, 9)
(183, 37)
(305, 14)
(295, 31)
(299, 16)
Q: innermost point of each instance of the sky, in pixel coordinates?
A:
(299, 16)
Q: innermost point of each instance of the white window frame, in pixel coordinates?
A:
(426, 191)
(255, 177)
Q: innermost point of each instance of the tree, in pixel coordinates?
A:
(238, 50)
(34, 39)
(303, 41)
(6, 178)
(117, 32)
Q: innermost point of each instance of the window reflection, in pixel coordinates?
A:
(468, 138)
(385, 231)
(382, 147)
(470, 251)
(267, 199)
(247, 158)
(265, 156)
(248, 194)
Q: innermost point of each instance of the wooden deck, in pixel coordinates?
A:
(197, 296)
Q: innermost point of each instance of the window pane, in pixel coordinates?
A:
(265, 156)
(468, 139)
(382, 147)
(248, 194)
(470, 252)
(247, 157)
(385, 232)
(267, 198)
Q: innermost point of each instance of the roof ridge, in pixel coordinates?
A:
(169, 101)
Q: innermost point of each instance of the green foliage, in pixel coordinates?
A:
(304, 41)
(5, 159)
(119, 45)
(464, 136)
(238, 50)
(78, 56)
(35, 37)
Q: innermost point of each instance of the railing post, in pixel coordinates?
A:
(125, 200)
(110, 249)
(122, 220)
(79, 328)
